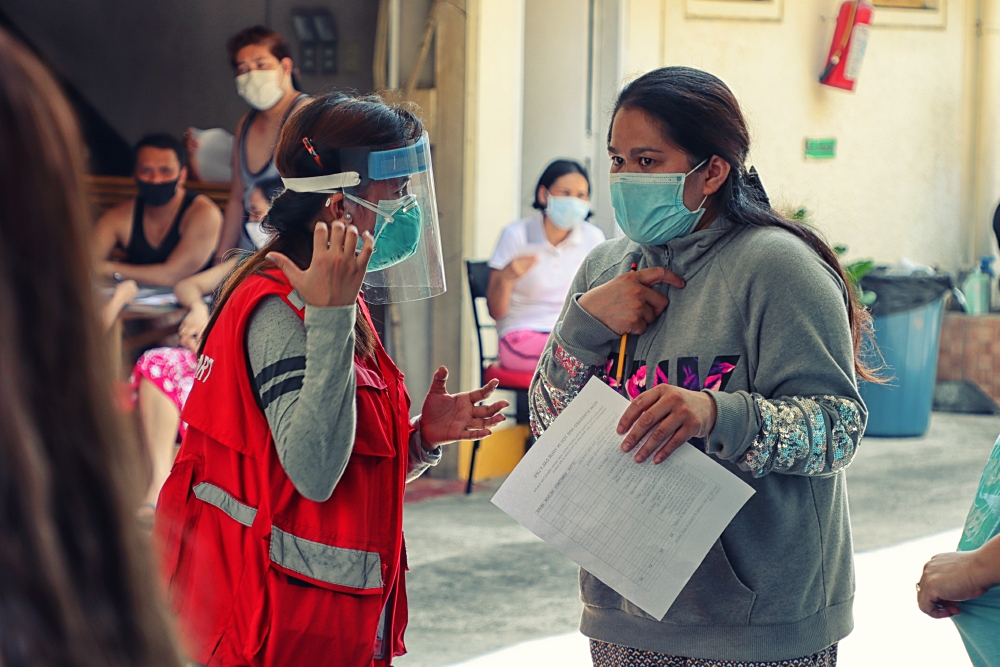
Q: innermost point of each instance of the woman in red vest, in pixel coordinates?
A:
(281, 522)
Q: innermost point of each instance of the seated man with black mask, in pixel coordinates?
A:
(166, 233)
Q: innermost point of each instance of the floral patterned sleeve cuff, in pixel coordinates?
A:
(559, 379)
(797, 435)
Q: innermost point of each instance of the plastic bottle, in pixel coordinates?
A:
(977, 288)
(986, 266)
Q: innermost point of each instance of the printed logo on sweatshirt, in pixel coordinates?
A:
(635, 381)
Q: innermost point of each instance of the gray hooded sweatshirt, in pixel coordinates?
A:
(762, 325)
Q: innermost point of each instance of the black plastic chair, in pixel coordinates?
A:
(479, 280)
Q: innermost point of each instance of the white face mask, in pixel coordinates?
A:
(261, 88)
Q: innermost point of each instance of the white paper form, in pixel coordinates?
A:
(641, 529)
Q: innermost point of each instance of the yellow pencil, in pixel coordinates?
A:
(621, 349)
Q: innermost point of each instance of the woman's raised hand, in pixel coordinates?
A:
(449, 417)
(627, 304)
(335, 274)
(670, 416)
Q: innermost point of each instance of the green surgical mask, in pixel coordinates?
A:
(397, 231)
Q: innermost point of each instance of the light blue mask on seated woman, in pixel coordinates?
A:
(650, 207)
(566, 212)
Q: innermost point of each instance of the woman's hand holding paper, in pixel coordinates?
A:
(671, 416)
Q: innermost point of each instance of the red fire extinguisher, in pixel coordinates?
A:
(850, 39)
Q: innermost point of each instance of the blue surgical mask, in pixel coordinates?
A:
(566, 212)
(397, 231)
(650, 207)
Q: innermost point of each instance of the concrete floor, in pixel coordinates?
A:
(901, 489)
(889, 630)
(479, 582)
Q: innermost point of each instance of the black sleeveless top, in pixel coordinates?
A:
(139, 251)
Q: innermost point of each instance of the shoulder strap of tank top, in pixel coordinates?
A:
(138, 235)
(173, 236)
(248, 177)
(292, 108)
(189, 197)
(244, 167)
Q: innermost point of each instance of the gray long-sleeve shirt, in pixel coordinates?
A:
(304, 375)
(762, 324)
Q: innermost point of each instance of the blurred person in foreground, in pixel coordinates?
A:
(166, 232)
(75, 575)
(965, 585)
(535, 261)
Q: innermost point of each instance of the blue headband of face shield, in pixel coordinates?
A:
(399, 162)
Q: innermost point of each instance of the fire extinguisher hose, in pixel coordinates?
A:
(844, 41)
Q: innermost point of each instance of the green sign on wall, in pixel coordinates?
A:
(821, 149)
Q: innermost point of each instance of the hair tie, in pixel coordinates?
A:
(312, 150)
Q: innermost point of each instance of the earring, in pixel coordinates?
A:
(347, 216)
(328, 200)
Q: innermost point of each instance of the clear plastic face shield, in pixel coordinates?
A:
(389, 192)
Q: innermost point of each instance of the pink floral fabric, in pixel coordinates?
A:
(172, 370)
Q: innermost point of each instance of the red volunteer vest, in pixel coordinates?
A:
(258, 574)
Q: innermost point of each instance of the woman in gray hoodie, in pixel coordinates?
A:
(755, 359)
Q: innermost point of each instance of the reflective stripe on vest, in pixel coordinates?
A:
(334, 565)
(213, 495)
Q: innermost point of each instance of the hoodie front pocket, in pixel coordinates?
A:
(713, 596)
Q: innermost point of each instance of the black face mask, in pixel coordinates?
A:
(157, 194)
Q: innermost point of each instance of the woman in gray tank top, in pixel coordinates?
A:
(252, 180)
(265, 79)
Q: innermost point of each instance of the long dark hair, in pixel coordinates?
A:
(702, 117)
(331, 122)
(77, 586)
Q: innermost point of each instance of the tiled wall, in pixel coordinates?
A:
(970, 350)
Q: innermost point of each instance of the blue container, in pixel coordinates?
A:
(909, 342)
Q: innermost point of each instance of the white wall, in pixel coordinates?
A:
(987, 140)
(642, 33)
(555, 88)
(496, 118)
(562, 48)
(896, 187)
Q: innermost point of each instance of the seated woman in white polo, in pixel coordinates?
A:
(535, 261)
